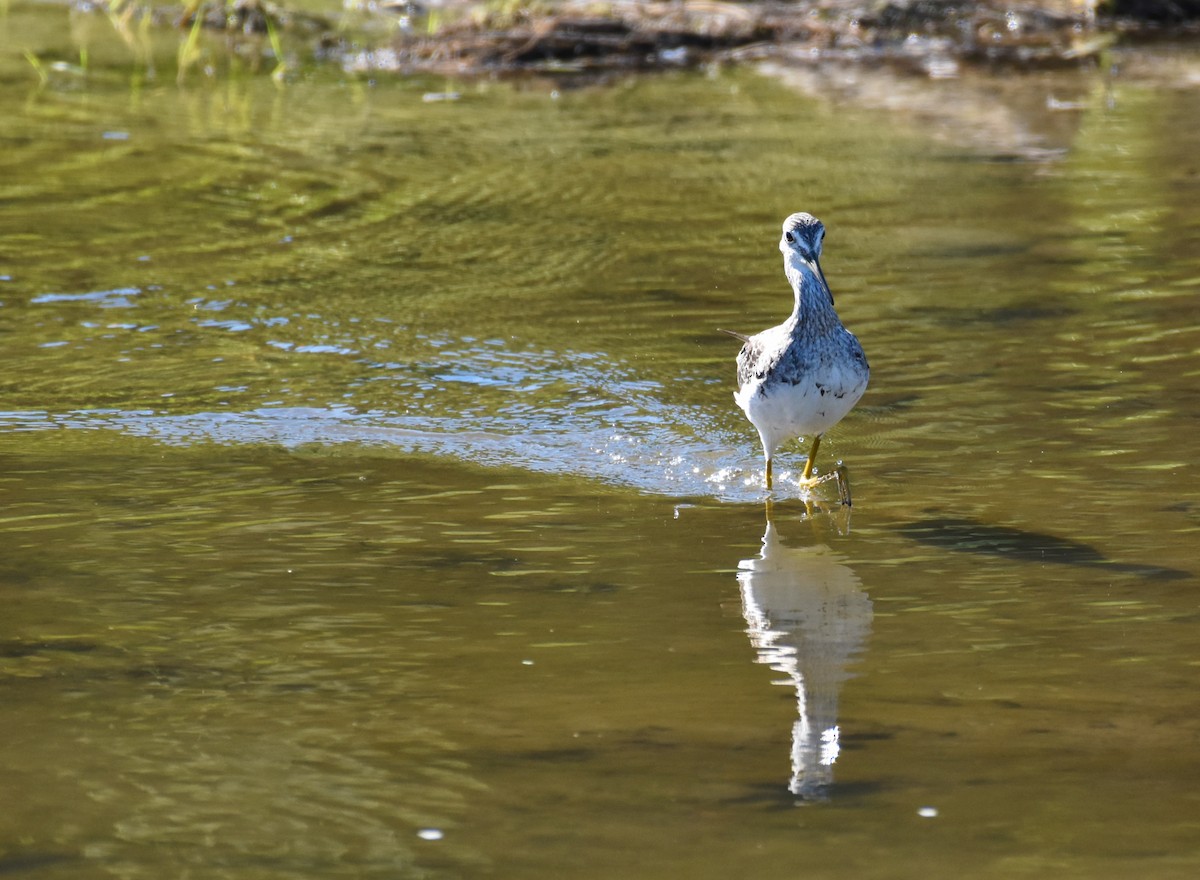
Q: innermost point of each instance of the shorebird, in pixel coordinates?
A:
(799, 379)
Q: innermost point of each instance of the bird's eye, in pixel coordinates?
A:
(790, 238)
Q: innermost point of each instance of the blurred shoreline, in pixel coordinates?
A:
(931, 38)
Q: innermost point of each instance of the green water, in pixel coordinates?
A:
(375, 504)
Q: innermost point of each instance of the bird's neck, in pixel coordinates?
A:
(813, 307)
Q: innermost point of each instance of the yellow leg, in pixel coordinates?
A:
(768, 475)
(812, 457)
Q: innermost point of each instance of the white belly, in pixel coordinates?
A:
(782, 411)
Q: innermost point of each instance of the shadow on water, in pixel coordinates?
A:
(1020, 545)
(808, 617)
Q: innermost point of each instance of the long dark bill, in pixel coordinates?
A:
(817, 265)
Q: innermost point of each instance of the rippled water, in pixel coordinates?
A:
(376, 505)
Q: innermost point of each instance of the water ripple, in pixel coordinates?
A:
(644, 452)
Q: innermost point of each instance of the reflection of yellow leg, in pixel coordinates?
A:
(812, 457)
(768, 475)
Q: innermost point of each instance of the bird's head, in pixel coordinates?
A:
(802, 235)
(801, 247)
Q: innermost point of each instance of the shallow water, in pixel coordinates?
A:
(375, 502)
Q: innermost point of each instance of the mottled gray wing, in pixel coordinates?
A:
(752, 362)
(745, 358)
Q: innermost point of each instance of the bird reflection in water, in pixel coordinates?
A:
(807, 617)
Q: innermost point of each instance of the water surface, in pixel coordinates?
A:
(376, 505)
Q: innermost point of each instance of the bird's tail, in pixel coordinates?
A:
(734, 334)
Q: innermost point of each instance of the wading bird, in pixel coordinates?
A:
(799, 379)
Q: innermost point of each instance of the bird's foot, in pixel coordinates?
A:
(843, 483)
(839, 475)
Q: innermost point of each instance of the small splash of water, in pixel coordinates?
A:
(564, 413)
(657, 458)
